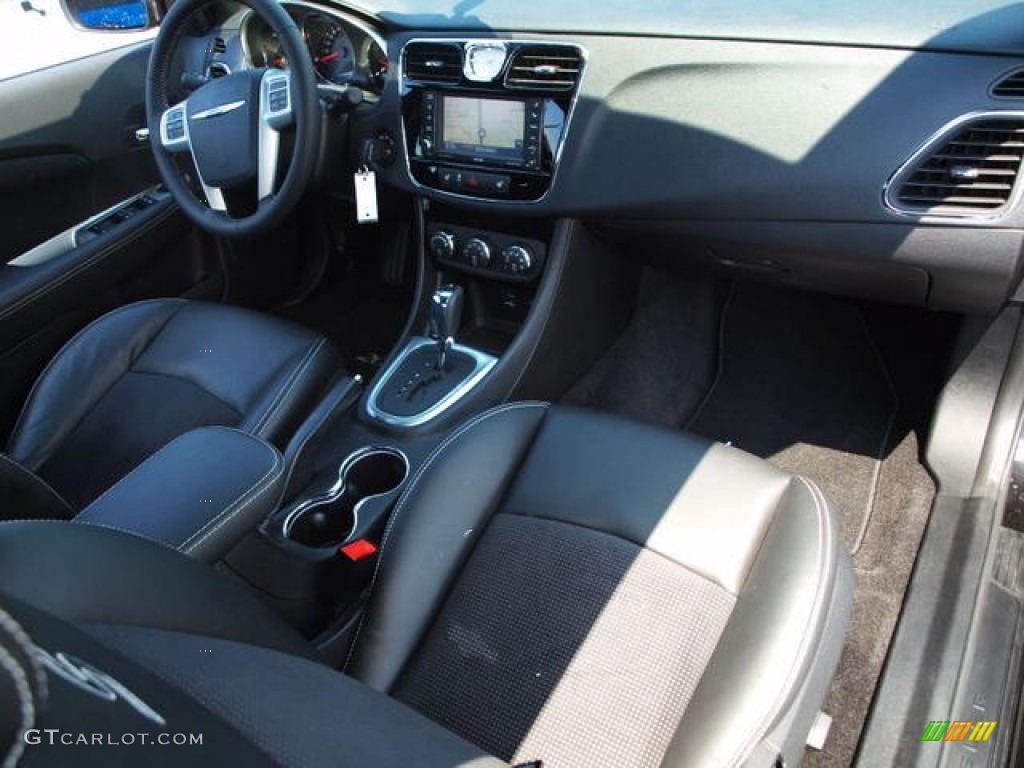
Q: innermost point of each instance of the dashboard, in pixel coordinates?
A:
(858, 151)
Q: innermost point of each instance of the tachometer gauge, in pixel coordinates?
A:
(330, 49)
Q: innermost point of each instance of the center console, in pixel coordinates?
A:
(503, 309)
(486, 119)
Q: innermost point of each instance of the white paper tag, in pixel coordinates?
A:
(366, 197)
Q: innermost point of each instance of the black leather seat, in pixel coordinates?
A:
(142, 375)
(554, 585)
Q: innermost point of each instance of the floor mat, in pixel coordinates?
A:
(801, 382)
(660, 368)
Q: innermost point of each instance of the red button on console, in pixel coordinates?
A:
(358, 549)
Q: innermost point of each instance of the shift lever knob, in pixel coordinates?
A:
(445, 318)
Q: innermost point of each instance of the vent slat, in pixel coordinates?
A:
(984, 187)
(545, 67)
(965, 158)
(984, 203)
(975, 170)
(944, 172)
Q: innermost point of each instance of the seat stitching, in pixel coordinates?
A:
(93, 524)
(95, 259)
(821, 567)
(23, 470)
(234, 510)
(26, 704)
(136, 534)
(139, 467)
(193, 382)
(247, 497)
(289, 384)
(67, 347)
(402, 502)
(36, 520)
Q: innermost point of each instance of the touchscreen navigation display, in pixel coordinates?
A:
(483, 128)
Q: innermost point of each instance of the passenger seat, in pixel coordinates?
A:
(556, 588)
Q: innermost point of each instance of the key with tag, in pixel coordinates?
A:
(366, 196)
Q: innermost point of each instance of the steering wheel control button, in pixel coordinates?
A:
(277, 109)
(477, 252)
(174, 130)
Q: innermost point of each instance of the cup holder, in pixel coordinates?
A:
(329, 519)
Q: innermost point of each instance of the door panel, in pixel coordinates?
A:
(68, 151)
(68, 146)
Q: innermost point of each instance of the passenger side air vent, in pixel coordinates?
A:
(1011, 86)
(219, 46)
(974, 171)
(545, 67)
(433, 62)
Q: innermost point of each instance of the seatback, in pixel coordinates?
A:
(565, 586)
(145, 373)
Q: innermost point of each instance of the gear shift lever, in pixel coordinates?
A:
(445, 318)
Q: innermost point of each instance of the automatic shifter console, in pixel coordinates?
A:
(431, 373)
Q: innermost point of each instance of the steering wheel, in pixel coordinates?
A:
(232, 127)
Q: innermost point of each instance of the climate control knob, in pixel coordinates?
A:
(442, 245)
(517, 259)
(477, 252)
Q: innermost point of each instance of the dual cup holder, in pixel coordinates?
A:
(331, 518)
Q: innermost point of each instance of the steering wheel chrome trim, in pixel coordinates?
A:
(175, 138)
(275, 115)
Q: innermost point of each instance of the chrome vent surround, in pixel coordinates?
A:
(972, 169)
(433, 62)
(1010, 86)
(545, 67)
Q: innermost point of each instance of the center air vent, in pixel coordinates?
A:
(545, 67)
(973, 171)
(433, 62)
(219, 46)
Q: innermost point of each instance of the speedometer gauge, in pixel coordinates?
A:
(330, 48)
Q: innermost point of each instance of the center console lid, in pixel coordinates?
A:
(200, 493)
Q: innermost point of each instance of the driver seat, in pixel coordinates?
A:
(142, 375)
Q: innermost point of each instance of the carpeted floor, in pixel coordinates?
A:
(660, 368)
(798, 379)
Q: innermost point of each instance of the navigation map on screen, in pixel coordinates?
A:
(483, 127)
